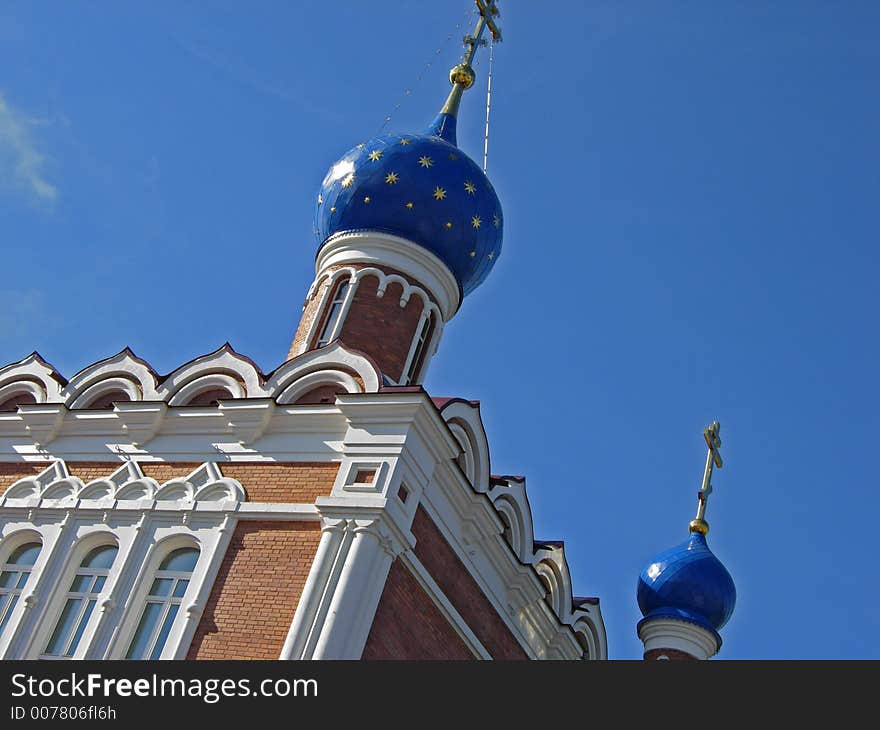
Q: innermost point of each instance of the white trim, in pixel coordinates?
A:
(382, 249)
(214, 381)
(665, 633)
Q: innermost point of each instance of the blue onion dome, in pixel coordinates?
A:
(423, 188)
(688, 583)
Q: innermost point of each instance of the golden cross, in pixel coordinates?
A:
(713, 459)
(462, 76)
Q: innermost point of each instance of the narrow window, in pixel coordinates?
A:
(80, 602)
(333, 313)
(421, 345)
(14, 574)
(163, 603)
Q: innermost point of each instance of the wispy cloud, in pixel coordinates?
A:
(25, 313)
(21, 162)
(243, 74)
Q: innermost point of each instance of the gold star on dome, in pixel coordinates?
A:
(375, 155)
(332, 208)
(391, 178)
(473, 253)
(491, 255)
(320, 199)
(404, 141)
(453, 156)
(449, 224)
(476, 221)
(425, 161)
(470, 187)
(409, 205)
(367, 199)
(348, 181)
(439, 193)
(496, 220)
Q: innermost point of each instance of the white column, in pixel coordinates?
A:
(343, 588)
(357, 594)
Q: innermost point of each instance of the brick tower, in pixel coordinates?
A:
(407, 225)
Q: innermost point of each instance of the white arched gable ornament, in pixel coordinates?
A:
(128, 483)
(550, 564)
(33, 376)
(330, 365)
(122, 372)
(510, 499)
(464, 419)
(223, 368)
(589, 628)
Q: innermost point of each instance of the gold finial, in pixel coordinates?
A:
(462, 76)
(713, 459)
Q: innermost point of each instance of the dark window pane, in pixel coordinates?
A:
(182, 560)
(22, 579)
(8, 579)
(81, 583)
(163, 634)
(138, 647)
(25, 554)
(180, 588)
(99, 584)
(161, 586)
(82, 626)
(101, 558)
(63, 627)
(5, 615)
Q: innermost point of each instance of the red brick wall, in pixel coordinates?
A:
(408, 625)
(462, 590)
(379, 327)
(263, 482)
(256, 591)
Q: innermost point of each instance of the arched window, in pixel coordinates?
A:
(14, 574)
(334, 311)
(163, 603)
(418, 357)
(80, 602)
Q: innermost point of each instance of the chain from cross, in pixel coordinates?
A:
(713, 459)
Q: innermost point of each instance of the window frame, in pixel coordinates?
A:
(329, 319)
(9, 597)
(85, 614)
(166, 602)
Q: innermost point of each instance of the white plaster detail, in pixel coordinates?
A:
(223, 368)
(30, 375)
(124, 372)
(382, 249)
(665, 633)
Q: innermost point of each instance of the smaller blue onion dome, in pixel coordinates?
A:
(688, 583)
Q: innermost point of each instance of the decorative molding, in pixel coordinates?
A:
(666, 633)
(381, 249)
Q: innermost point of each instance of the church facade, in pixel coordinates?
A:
(328, 509)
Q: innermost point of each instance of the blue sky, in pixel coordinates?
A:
(690, 193)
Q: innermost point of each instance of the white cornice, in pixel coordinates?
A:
(399, 433)
(665, 633)
(373, 247)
